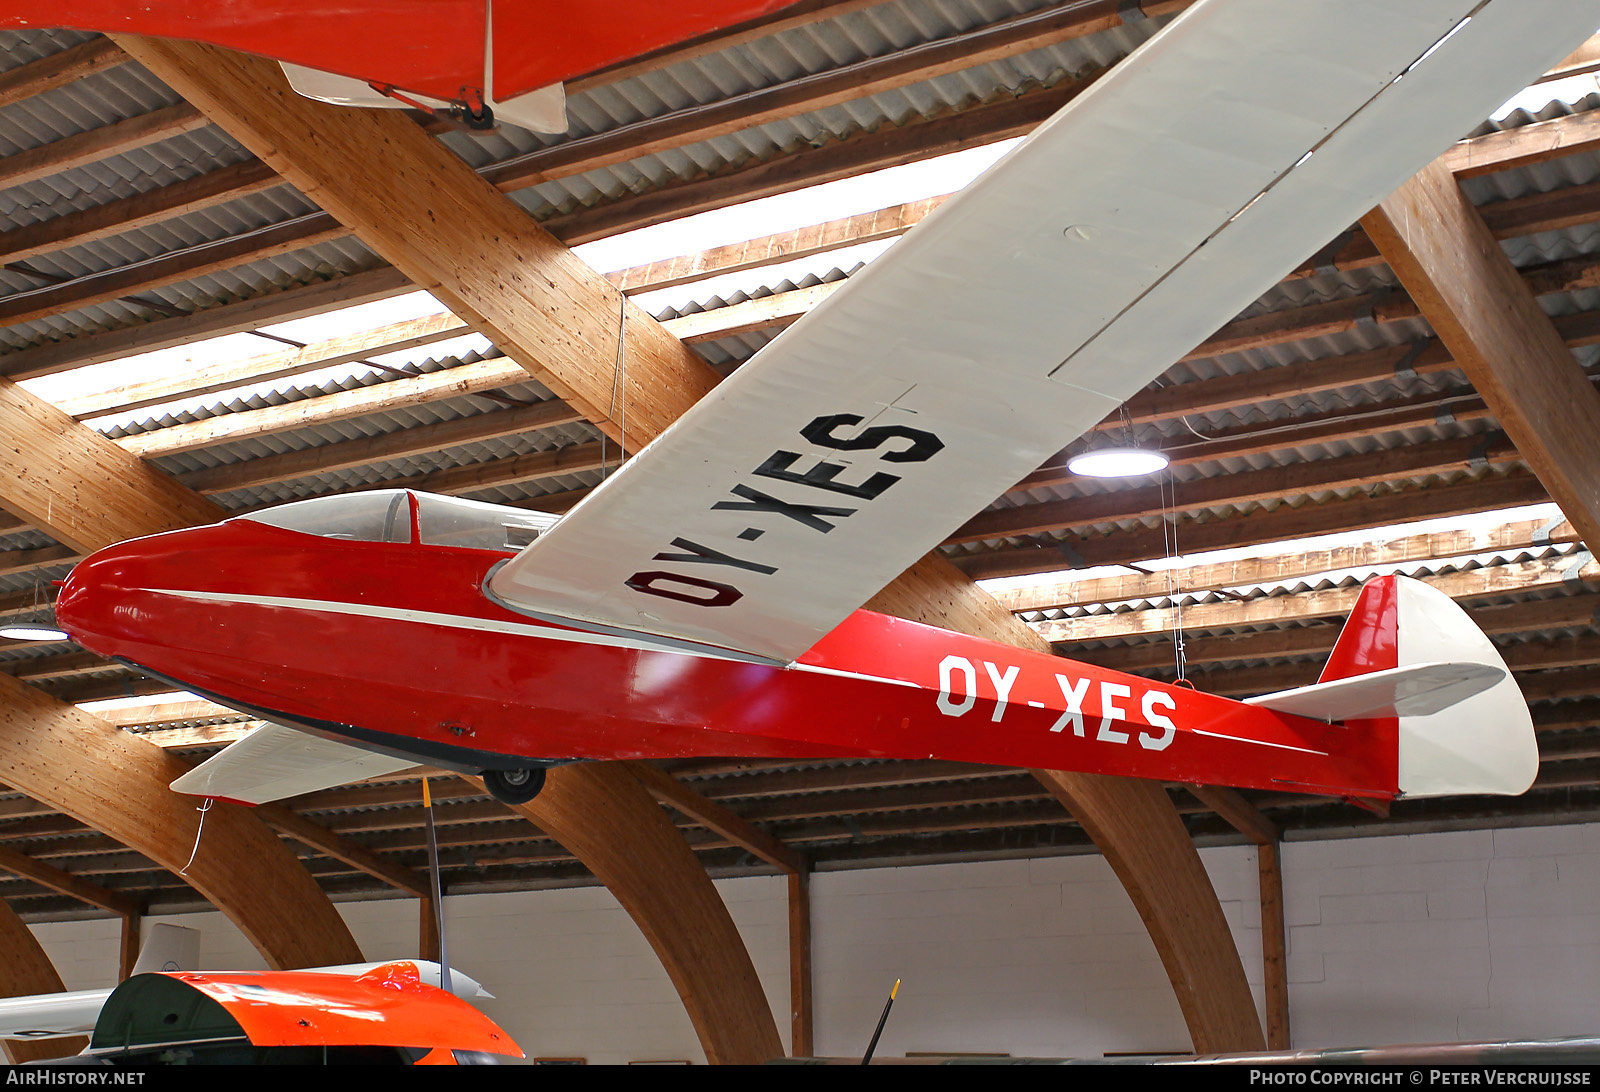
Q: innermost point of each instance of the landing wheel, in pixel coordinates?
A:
(478, 116)
(514, 786)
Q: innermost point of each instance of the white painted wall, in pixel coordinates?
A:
(1477, 935)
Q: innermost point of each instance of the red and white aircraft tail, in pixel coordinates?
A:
(1410, 660)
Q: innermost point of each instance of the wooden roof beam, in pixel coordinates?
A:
(1544, 574)
(81, 149)
(207, 378)
(612, 147)
(918, 140)
(1316, 641)
(286, 821)
(59, 69)
(450, 231)
(1242, 815)
(1586, 58)
(1521, 535)
(1475, 298)
(167, 713)
(669, 790)
(276, 305)
(66, 883)
(1401, 505)
(1524, 145)
(84, 490)
(1245, 487)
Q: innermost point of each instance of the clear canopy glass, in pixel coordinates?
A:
(385, 515)
(474, 525)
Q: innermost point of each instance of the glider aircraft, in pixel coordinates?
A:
(705, 599)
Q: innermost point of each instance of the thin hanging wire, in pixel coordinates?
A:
(619, 381)
(437, 888)
(34, 613)
(1168, 489)
(199, 830)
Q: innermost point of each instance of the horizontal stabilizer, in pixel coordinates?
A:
(274, 762)
(1413, 691)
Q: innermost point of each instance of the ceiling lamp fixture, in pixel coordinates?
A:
(1117, 462)
(33, 631)
(38, 623)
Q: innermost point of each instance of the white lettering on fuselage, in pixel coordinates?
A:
(958, 696)
(1154, 719)
(1073, 693)
(1109, 713)
(1002, 688)
(969, 689)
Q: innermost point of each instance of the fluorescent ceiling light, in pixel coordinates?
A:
(1117, 462)
(32, 632)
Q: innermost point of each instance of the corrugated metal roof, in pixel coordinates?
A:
(127, 90)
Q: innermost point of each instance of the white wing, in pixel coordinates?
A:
(1150, 211)
(274, 762)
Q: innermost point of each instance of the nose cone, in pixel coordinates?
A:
(113, 602)
(94, 604)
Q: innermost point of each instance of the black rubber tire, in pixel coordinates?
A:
(514, 786)
(478, 120)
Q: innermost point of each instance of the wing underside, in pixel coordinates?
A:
(1156, 207)
(274, 762)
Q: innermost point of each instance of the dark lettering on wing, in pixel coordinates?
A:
(809, 514)
(924, 445)
(890, 443)
(705, 555)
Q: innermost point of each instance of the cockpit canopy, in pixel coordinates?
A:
(403, 515)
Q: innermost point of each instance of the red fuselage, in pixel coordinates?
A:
(395, 645)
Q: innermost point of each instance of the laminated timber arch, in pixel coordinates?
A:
(26, 969)
(117, 784)
(87, 492)
(413, 201)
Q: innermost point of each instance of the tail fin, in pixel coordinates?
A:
(1416, 660)
(169, 948)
